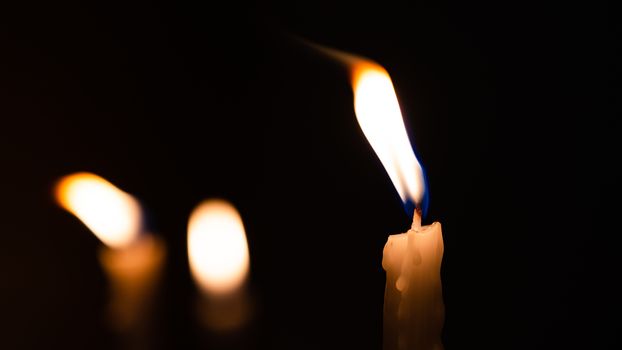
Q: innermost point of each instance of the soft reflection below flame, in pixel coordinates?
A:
(111, 214)
(217, 247)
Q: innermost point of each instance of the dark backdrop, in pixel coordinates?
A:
(177, 102)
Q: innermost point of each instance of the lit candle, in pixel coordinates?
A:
(219, 262)
(413, 301)
(131, 258)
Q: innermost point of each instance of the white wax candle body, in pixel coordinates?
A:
(225, 313)
(133, 272)
(413, 300)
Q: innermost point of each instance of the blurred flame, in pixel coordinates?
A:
(111, 214)
(217, 247)
(378, 113)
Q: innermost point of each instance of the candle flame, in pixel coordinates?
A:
(217, 247)
(379, 116)
(111, 214)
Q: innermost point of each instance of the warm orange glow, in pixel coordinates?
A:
(378, 113)
(111, 214)
(217, 247)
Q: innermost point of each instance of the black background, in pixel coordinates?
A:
(177, 102)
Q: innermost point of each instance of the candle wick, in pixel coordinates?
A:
(416, 220)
